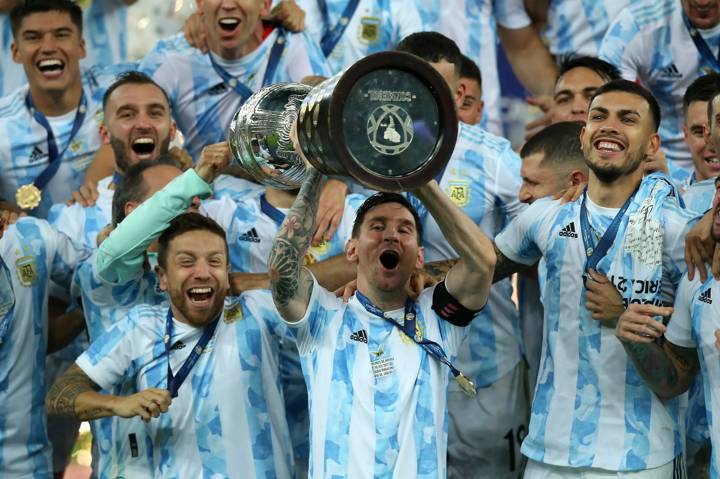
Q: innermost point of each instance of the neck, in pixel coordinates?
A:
(614, 194)
(385, 300)
(279, 198)
(56, 103)
(178, 316)
(235, 53)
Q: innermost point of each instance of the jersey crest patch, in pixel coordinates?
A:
(233, 314)
(369, 30)
(26, 270)
(459, 193)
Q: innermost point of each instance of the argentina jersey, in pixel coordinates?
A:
(693, 325)
(698, 196)
(32, 254)
(202, 103)
(105, 32)
(221, 428)
(471, 24)
(649, 42)
(374, 26)
(591, 408)
(252, 224)
(84, 223)
(482, 178)
(12, 75)
(377, 400)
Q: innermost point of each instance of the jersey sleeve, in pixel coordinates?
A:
(621, 45)
(66, 256)
(679, 330)
(121, 256)
(511, 14)
(519, 240)
(108, 360)
(157, 65)
(303, 58)
(451, 334)
(678, 223)
(310, 330)
(508, 182)
(406, 19)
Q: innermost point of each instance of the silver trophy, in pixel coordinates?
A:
(388, 121)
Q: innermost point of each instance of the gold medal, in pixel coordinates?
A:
(28, 196)
(466, 385)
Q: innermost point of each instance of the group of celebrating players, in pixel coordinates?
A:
(209, 326)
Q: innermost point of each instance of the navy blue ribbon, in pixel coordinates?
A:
(597, 252)
(269, 210)
(116, 178)
(54, 154)
(239, 87)
(701, 45)
(332, 36)
(408, 327)
(174, 382)
(7, 301)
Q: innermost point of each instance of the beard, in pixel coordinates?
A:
(608, 173)
(197, 318)
(122, 152)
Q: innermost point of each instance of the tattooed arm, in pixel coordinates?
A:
(76, 395)
(666, 368)
(290, 282)
(503, 268)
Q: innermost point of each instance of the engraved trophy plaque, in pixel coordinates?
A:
(388, 121)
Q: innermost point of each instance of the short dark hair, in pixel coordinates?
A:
(131, 78)
(606, 71)
(185, 223)
(704, 88)
(381, 198)
(433, 47)
(631, 87)
(132, 186)
(560, 145)
(470, 70)
(28, 7)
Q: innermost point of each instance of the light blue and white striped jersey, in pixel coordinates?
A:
(693, 324)
(591, 407)
(376, 26)
(104, 31)
(482, 178)
(228, 419)
(250, 232)
(203, 105)
(236, 188)
(649, 42)
(471, 24)
(698, 195)
(34, 254)
(377, 400)
(84, 223)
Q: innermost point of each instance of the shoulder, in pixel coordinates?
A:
(474, 144)
(653, 14)
(146, 317)
(171, 45)
(13, 105)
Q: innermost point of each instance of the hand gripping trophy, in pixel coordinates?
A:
(388, 121)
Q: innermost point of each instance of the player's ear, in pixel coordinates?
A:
(420, 262)
(351, 250)
(162, 278)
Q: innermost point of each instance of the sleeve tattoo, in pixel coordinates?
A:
(505, 267)
(62, 395)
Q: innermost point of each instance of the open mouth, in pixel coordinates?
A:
(713, 161)
(228, 24)
(608, 146)
(200, 296)
(51, 66)
(390, 259)
(143, 146)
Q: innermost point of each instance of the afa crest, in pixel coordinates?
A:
(419, 333)
(233, 314)
(369, 30)
(26, 270)
(459, 193)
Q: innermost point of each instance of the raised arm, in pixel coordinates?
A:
(76, 395)
(470, 278)
(290, 282)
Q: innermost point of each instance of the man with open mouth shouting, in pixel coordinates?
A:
(377, 367)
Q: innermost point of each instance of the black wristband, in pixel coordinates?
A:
(449, 308)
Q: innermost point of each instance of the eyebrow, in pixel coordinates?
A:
(133, 106)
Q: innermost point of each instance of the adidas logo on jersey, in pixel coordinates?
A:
(569, 231)
(706, 296)
(251, 236)
(178, 345)
(360, 336)
(36, 155)
(671, 72)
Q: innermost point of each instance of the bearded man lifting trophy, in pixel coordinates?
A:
(388, 121)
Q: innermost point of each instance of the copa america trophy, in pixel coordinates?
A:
(388, 121)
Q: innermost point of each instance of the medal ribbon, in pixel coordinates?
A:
(7, 301)
(269, 210)
(701, 45)
(332, 35)
(597, 252)
(54, 155)
(431, 347)
(174, 382)
(239, 87)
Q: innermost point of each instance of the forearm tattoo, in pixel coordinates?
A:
(505, 267)
(664, 367)
(292, 242)
(62, 395)
(439, 269)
